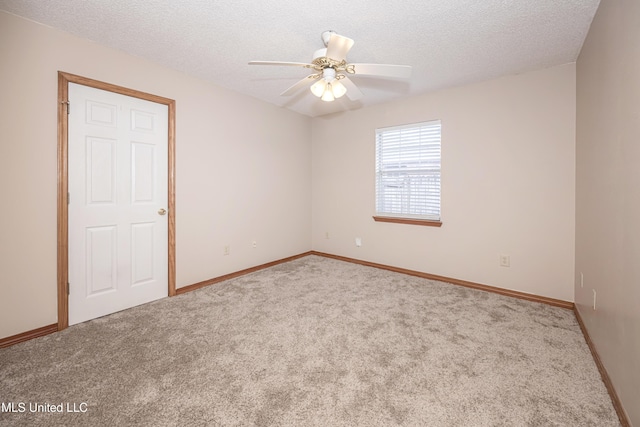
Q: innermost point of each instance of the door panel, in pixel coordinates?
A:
(101, 170)
(142, 245)
(143, 159)
(118, 240)
(100, 258)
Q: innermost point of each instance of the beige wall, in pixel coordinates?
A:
(608, 193)
(243, 168)
(243, 174)
(508, 154)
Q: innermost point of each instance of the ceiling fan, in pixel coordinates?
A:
(330, 80)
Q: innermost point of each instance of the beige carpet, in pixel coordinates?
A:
(314, 342)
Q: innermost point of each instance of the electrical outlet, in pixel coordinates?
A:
(594, 299)
(358, 241)
(581, 280)
(227, 250)
(254, 244)
(326, 234)
(505, 260)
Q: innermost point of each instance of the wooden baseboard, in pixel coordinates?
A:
(46, 330)
(204, 283)
(29, 335)
(624, 420)
(5, 342)
(507, 292)
(622, 415)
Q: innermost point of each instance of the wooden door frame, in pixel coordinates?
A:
(63, 180)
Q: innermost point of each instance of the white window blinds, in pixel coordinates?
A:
(408, 171)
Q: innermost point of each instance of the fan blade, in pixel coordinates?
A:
(300, 84)
(294, 64)
(382, 70)
(353, 93)
(338, 47)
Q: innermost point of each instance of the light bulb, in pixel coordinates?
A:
(338, 89)
(318, 88)
(327, 96)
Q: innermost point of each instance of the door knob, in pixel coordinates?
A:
(162, 211)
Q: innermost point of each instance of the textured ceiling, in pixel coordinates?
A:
(447, 42)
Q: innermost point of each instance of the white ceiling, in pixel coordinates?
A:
(447, 42)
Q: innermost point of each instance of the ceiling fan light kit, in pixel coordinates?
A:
(331, 69)
(328, 88)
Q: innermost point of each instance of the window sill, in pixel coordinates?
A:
(411, 221)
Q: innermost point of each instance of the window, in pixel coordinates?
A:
(408, 173)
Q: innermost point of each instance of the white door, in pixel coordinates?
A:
(118, 193)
